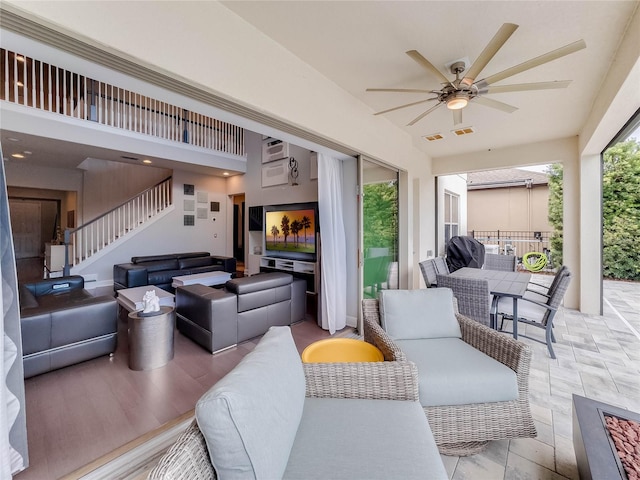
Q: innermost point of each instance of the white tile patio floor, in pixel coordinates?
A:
(597, 357)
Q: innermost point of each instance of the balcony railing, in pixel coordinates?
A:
(32, 83)
(514, 242)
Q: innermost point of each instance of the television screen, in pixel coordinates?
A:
(291, 232)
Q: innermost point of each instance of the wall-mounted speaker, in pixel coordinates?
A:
(255, 219)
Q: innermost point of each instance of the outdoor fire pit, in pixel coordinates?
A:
(596, 452)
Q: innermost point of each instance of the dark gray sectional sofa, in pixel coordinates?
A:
(245, 308)
(158, 270)
(63, 324)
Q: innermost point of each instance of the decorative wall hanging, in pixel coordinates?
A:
(189, 205)
(202, 197)
(189, 220)
(189, 189)
(293, 171)
(202, 213)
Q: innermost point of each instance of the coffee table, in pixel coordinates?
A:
(341, 350)
(204, 278)
(131, 298)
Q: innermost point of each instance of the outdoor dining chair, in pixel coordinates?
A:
(503, 263)
(537, 313)
(472, 295)
(428, 269)
(540, 292)
(441, 266)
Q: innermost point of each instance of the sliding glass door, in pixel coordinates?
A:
(379, 227)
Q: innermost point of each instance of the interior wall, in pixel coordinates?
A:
(169, 234)
(112, 183)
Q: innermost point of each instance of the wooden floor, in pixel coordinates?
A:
(79, 413)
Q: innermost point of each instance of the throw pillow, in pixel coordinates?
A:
(249, 419)
(414, 314)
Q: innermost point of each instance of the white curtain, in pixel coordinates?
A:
(333, 249)
(13, 429)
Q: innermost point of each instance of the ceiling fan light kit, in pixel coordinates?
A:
(457, 94)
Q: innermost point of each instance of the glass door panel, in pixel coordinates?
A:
(379, 228)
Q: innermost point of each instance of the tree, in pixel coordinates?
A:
(380, 216)
(295, 230)
(305, 223)
(621, 211)
(275, 232)
(284, 225)
(555, 212)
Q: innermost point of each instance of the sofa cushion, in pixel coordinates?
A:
(250, 417)
(413, 314)
(188, 263)
(372, 439)
(161, 265)
(255, 283)
(167, 256)
(452, 372)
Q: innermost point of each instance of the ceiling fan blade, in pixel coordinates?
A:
(401, 90)
(496, 43)
(457, 116)
(422, 115)
(427, 65)
(405, 106)
(488, 102)
(522, 87)
(534, 62)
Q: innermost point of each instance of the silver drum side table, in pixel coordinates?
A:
(151, 339)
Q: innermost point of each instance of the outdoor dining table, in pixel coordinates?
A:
(501, 284)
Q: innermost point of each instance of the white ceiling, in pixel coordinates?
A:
(362, 44)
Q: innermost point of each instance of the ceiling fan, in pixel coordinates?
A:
(456, 94)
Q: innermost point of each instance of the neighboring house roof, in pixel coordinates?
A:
(508, 177)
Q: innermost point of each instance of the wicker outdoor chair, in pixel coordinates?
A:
(428, 269)
(466, 429)
(188, 458)
(503, 263)
(472, 294)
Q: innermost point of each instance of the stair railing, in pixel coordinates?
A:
(88, 239)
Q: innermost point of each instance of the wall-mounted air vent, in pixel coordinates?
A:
(463, 131)
(433, 137)
(129, 158)
(273, 149)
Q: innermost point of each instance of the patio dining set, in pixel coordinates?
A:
(495, 290)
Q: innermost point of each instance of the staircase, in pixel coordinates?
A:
(87, 240)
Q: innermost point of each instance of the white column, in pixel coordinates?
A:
(590, 235)
(571, 228)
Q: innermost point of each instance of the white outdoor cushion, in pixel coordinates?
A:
(452, 372)
(347, 439)
(250, 417)
(413, 314)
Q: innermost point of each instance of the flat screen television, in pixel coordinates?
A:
(290, 231)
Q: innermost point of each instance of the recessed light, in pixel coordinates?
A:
(20, 58)
(147, 161)
(12, 139)
(17, 155)
(27, 152)
(226, 174)
(19, 83)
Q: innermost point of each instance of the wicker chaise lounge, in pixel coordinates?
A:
(464, 429)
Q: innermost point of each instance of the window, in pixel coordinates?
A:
(451, 216)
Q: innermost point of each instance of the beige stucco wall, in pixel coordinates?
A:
(510, 208)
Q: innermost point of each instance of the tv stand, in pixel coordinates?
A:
(299, 269)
